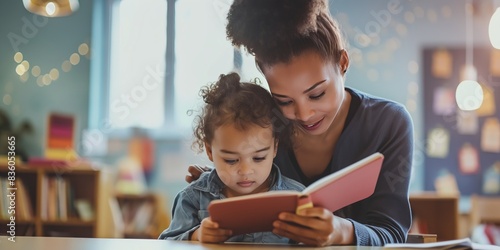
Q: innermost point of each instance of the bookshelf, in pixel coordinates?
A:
(435, 214)
(144, 215)
(55, 201)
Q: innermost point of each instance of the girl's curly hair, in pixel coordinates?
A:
(277, 30)
(229, 101)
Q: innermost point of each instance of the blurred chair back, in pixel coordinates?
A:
(484, 210)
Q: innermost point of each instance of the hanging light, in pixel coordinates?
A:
(494, 29)
(469, 93)
(51, 8)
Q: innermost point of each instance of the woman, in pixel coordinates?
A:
(300, 51)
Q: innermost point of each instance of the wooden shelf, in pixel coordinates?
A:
(139, 197)
(71, 184)
(72, 222)
(18, 222)
(143, 215)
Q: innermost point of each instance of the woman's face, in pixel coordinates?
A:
(309, 90)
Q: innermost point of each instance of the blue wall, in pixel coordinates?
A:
(46, 42)
(413, 25)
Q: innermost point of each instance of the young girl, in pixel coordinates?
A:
(299, 48)
(239, 128)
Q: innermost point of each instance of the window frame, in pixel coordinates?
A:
(100, 76)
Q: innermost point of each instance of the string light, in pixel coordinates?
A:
(35, 71)
(83, 49)
(54, 74)
(66, 66)
(44, 79)
(18, 57)
(7, 99)
(74, 59)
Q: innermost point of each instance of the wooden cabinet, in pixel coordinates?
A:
(435, 214)
(51, 201)
(143, 215)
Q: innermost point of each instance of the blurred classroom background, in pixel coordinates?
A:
(101, 100)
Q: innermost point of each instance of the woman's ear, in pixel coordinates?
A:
(343, 62)
(208, 150)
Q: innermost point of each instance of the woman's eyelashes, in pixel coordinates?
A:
(281, 103)
(316, 97)
(312, 97)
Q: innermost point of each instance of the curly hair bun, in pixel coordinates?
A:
(267, 23)
(215, 93)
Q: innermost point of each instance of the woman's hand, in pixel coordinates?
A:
(315, 226)
(209, 232)
(195, 171)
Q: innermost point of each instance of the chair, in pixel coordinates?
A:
(484, 210)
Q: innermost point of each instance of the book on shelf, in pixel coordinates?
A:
(140, 222)
(57, 195)
(4, 199)
(257, 212)
(59, 139)
(458, 244)
(84, 209)
(23, 206)
(52, 199)
(61, 198)
(24, 209)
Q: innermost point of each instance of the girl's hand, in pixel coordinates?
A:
(315, 226)
(195, 171)
(209, 232)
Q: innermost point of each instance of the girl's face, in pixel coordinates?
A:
(309, 90)
(243, 159)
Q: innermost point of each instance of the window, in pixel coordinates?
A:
(202, 53)
(138, 45)
(140, 91)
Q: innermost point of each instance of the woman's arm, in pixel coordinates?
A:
(195, 171)
(316, 227)
(385, 217)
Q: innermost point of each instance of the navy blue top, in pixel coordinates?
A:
(373, 125)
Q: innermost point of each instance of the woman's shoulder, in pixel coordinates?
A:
(377, 115)
(374, 106)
